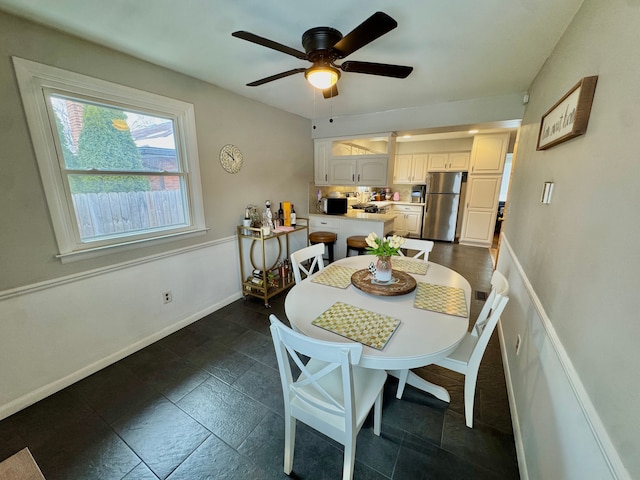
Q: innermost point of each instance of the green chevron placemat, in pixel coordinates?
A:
(440, 298)
(369, 328)
(335, 276)
(409, 265)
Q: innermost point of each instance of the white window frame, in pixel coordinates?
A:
(36, 78)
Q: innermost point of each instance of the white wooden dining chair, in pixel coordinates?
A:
(313, 253)
(332, 394)
(466, 358)
(422, 246)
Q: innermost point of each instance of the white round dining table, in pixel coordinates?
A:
(421, 338)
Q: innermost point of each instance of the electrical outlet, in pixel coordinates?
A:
(518, 344)
(167, 296)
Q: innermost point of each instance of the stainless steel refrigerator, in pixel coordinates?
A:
(441, 209)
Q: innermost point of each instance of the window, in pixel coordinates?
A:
(119, 165)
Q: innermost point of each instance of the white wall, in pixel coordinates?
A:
(434, 146)
(559, 434)
(57, 332)
(575, 299)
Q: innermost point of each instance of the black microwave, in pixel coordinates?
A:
(334, 206)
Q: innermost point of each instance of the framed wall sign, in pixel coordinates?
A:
(569, 117)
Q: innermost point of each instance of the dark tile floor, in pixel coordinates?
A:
(206, 402)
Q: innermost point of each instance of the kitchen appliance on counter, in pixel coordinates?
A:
(418, 193)
(441, 209)
(334, 206)
(369, 208)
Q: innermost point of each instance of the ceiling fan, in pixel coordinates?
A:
(324, 45)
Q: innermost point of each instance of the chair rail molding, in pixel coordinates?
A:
(559, 433)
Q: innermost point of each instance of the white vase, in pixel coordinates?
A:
(383, 269)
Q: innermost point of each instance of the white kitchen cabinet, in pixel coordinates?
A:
(324, 223)
(449, 162)
(459, 161)
(419, 168)
(342, 171)
(372, 171)
(413, 223)
(399, 224)
(322, 150)
(354, 160)
(365, 170)
(488, 153)
(438, 162)
(408, 220)
(480, 212)
(402, 169)
(410, 169)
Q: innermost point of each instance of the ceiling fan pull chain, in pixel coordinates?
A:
(331, 110)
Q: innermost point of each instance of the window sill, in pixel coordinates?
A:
(111, 249)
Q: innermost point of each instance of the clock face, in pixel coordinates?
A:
(231, 158)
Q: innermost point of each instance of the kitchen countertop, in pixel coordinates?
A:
(388, 203)
(359, 215)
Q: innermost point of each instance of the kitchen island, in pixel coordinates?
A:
(354, 222)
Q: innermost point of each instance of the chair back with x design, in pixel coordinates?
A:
(313, 254)
(332, 394)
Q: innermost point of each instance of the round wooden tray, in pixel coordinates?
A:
(404, 283)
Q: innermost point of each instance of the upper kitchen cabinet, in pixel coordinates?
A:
(354, 160)
(410, 169)
(449, 162)
(402, 169)
(322, 149)
(489, 152)
(369, 171)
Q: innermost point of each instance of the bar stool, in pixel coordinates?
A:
(328, 238)
(357, 243)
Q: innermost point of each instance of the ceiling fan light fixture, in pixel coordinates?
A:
(322, 77)
(324, 45)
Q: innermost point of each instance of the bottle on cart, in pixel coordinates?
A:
(246, 221)
(281, 214)
(268, 215)
(293, 216)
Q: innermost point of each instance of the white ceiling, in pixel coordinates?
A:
(459, 49)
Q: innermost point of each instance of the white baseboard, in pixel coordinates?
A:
(34, 396)
(517, 433)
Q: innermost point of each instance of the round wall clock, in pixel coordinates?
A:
(231, 158)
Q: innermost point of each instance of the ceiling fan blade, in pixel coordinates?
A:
(383, 69)
(331, 91)
(373, 27)
(276, 77)
(265, 42)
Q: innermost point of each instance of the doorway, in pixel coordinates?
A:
(502, 200)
